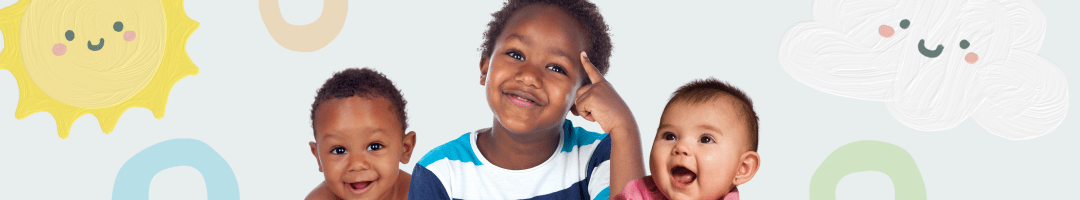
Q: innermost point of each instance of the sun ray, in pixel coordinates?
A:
(174, 65)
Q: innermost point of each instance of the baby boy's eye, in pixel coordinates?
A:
(374, 147)
(557, 68)
(904, 23)
(516, 55)
(964, 44)
(669, 136)
(338, 150)
(705, 139)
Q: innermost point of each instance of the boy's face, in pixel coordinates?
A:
(359, 144)
(698, 149)
(534, 71)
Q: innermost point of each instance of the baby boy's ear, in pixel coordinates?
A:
(484, 69)
(315, 152)
(750, 161)
(409, 142)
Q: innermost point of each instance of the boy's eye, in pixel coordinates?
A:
(374, 147)
(669, 136)
(706, 139)
(118, 26)
(557, 68)
(338, 150)
(516, 55)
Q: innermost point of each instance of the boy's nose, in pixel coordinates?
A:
(529, 75)
(358, 162)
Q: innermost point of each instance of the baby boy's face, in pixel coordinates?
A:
(359, 145)
(697, 149)
(534, 71)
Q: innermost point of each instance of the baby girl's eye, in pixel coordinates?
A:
(904, 23)
(964, 44)
(516, 55)
(374, 147)
(338, 150)
(669, 136)
(705, 139)
(557, 68)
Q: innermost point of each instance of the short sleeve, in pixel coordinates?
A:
(425, 185)
(600, 170)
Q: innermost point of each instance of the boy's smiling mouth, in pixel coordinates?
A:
(522, 99)
(358, 187)
(682, 177)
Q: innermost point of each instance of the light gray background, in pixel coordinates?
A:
(251, 101)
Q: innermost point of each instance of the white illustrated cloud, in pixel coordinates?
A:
(934, 62)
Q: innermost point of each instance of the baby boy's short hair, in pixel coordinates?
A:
(585, 12)
(365, 83)
(701, 91)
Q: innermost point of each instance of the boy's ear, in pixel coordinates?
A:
(484, 69)
(409, 141)
(315, 152)
(750, 161)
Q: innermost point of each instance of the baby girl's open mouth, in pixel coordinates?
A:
(358, 187)
(682, 176)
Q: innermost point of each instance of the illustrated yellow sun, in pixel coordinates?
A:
(135, 51)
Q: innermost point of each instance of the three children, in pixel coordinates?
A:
(541, 59)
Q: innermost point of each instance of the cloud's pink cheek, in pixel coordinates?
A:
(59, 49)
(129, 36)
(971, 58)
(886, 31)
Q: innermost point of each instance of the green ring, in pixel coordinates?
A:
(869, 155)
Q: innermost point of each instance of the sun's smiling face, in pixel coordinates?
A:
(77, 51)
(76, 57)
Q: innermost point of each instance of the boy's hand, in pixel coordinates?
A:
(598, 102)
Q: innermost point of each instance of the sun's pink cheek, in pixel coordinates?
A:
(971, 58)
(129, 36)
(886, 31)
(59, 49)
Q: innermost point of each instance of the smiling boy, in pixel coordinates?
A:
(536, 69)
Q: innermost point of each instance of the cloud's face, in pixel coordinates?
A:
(934, 63)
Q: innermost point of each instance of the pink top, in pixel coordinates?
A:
(645, 189)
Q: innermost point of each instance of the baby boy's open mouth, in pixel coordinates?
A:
(682, 176)
(358, 187)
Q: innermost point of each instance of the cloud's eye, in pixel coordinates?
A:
(69, 35)
(964, 44)
(904, 23)
(118, 26)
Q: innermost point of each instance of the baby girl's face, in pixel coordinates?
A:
(697, 149)
(359, 144)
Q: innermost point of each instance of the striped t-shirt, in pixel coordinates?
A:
(580, 169)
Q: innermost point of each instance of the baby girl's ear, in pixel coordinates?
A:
(484, 69)
(408, 142)
(315, 152)
(747, 168)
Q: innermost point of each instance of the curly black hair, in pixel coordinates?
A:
(703, 90)
(365, 83)
(585, 12)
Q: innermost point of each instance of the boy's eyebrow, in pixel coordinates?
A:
(562, 53)
(521, 38)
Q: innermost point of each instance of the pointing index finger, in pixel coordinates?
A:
(590, 69)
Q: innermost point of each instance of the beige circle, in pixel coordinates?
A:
(309, 37)
(83, 77)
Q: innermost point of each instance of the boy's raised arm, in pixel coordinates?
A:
(598, 102)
